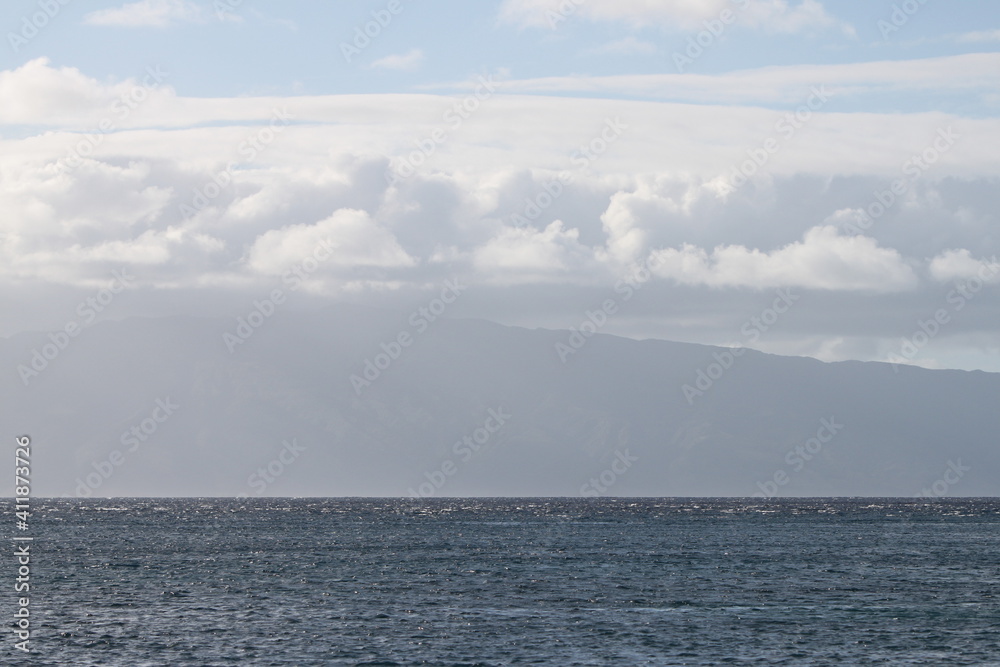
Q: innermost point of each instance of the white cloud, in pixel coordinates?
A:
(979, 36)
(149, 247)
(526, 255)
(974, 72)
(654, 187)
(770, 15)
(822, 260)
(961, 265)
(627, 235)
(45, 203)
(408, 61)
(350, 238)
(37, 93)
(148, 14)
(778, 17)
(534, 132)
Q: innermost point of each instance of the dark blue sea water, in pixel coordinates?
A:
(516, 581)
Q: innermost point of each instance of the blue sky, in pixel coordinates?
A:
(289, 48)
(761, 162)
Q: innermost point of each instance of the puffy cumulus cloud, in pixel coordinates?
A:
(526, 255)
(81, 263)
(47, 205)
(656, 186)
(961, 265)
(71, 226)
(822, 260)
(654, 210)
(68, 225)
(148, 14)
(773, 15)
(626, 237)
(38, 94)
(347, 239)
(150, 247)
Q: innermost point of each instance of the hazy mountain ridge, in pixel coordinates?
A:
(616, 405)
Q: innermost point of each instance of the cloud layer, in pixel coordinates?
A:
(571, 203)
(770, 15)
(528, 194)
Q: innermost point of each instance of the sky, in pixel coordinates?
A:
(713, 158)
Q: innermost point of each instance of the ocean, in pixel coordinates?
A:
(525, 581)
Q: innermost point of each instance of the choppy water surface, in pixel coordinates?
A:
(515, 581)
